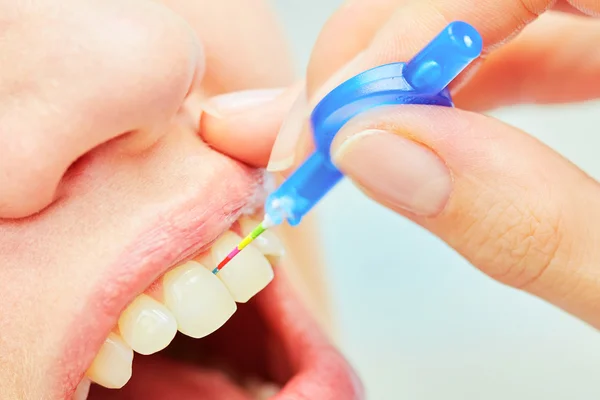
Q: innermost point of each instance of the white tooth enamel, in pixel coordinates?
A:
(83, 389)
(262, 390)
(268, 243)
(247, 274)
(112, 366)
(198, 299)
(147, 326)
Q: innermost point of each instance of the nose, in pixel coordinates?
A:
(79, 77)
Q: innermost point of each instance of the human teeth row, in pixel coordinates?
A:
(193, 300)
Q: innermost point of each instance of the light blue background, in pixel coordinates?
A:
(417, 321)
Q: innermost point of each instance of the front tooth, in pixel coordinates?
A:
(268, 243)
(198, 299)
(112, 366)
(247, 274)
(147, 325)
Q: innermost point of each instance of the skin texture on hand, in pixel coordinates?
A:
(392, 31)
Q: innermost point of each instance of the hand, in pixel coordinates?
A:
(514, 208)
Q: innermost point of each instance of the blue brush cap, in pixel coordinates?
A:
(423, 80)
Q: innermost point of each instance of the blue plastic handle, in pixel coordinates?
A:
(423, 80)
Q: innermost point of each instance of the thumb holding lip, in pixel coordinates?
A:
(514, 208)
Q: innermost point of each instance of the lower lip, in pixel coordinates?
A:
(317, 370)
(322, 372)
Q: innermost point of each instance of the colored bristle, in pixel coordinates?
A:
(245, 242)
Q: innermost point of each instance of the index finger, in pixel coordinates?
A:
(413, 23)
(400, 30)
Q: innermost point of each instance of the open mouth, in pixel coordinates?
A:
(196, 335)
(120, 270)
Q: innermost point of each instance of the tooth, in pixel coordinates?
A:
(262, 390)
(147, 326)
(83, 390)
(268, 243)
(247, 274)
(112, 366)
(198, 299)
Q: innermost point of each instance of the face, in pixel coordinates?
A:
(114, 213)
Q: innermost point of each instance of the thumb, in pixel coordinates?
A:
(514, 208)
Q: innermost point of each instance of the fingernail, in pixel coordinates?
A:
(234, 102)
(395, 171)
(284, 149)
